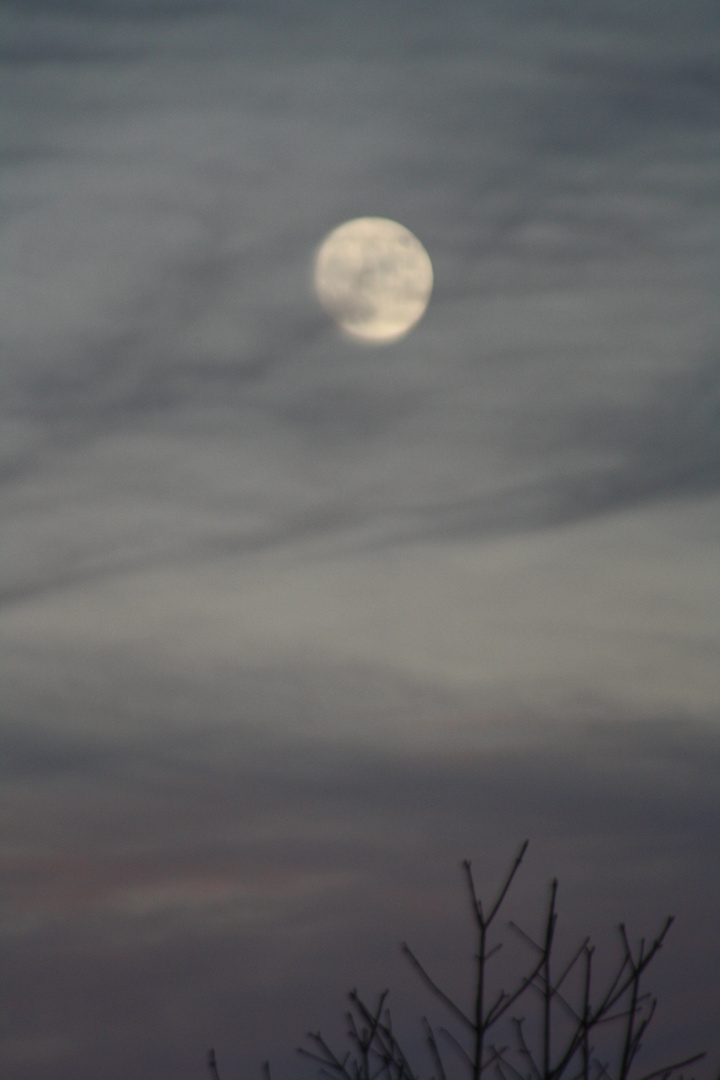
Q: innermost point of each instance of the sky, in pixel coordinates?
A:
(292, 625)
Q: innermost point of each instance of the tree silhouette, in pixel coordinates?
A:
(579, 1031)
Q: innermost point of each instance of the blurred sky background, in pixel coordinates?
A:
(290, 625)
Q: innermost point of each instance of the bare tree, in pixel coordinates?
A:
(578, 1031)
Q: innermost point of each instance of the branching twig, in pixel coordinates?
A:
(563, 1051)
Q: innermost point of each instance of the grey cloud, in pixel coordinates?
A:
(368, 833)
(53, 51)
(117, 9)
(218, 816)
(664, 448)
(626, 98)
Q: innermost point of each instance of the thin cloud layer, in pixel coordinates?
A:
(290, 628)
(300, 867)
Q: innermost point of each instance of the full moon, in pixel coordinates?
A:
(374, 279)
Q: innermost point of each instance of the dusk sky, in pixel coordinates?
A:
(292, 624)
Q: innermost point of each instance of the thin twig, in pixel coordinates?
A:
(508, 882)
(435, 988)
(212, 1064)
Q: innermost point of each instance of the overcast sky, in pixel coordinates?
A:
(292, 625)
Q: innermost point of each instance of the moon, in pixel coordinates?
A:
(374, 278)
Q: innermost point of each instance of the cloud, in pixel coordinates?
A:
(288, 628)
(274, 876)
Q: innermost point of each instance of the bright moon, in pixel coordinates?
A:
(374, 278)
